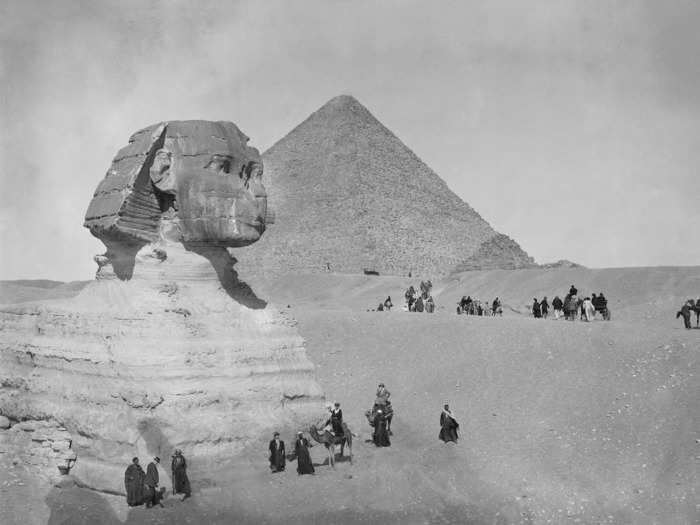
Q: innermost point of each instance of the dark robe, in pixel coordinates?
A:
(448, 428)
(544, 306)
(685, 312)
(150, 484)
(380, 436)
(419, 304)
(557, 304)
(573, 291)
(277, 459)
(181, 484)
(336, 421)
(133, 483)
(536, 309)
(301, 451)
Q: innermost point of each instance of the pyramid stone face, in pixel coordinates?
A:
(346, 191)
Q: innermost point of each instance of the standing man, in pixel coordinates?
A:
(685, 312)
(181, 483)
(558, 306)
(277, 459)
(301, 451)
(544, 306)
(448, 426)
(536, 312)
(151, 483)
(133, 483)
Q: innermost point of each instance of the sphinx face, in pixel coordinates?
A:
(193, 181)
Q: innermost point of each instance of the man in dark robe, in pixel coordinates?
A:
(602, 303)
(133, 483)
(685, 312)
(573, 291)
(301, 452)
(277, 459)
(558, 306)
(380, 436)
(536, 312)
(544, 307)
(448, 426)
(151, 483)
(181, 484)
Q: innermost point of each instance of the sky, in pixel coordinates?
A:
(573, 126)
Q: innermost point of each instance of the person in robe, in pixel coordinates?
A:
(133, 483)
(388, 304)
(685, 313)
(380, 435)
(495, 307)
(536, 312)
(277, 459)
(151, 484)
(544, 307)
(301, 452)
(558, 306)
(573, 291)
(448, 426)
(181, 484)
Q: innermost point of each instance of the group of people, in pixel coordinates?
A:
(278, 456)
(572, 307)
(143, 487)
(689, 306)
(469, 306)
(420, 302)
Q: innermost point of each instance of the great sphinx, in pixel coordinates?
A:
(167, 347)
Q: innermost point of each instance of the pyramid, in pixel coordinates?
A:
(347, 192)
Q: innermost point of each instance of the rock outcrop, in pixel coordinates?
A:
(347, 192)
(167, 348)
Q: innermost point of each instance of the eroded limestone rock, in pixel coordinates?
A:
(168, 347)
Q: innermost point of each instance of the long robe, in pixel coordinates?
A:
(448, 427)
(181, 484)
(150, 484)
(277, 459)
(301, 451)
(133, 483)
(380, 436)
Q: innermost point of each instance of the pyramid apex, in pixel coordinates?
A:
(342, 101)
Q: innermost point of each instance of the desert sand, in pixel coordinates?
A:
(560, 422)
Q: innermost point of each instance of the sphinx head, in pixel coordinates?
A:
(195, 182)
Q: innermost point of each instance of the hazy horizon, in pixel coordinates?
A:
(572, 128)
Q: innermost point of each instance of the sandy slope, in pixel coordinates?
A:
(561, 422)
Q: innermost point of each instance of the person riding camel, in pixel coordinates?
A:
(328, 425)
(336, 420)
(383, 395)
(573, 292)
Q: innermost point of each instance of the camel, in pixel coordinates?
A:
(330, 441)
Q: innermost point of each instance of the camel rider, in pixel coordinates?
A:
(336, 419)
(382, 395)
(573, 292)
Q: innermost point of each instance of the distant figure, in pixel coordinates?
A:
(151, 482)
(181, 483)
(544, 307)
(429, 305)
(328, 267)
(382, 397)
(301, 452)
(496, 307)
(133, 483)
(479, 309)
(536, 312)
(573, 291)
(409, 275)
(388, 304)
(602, 305)
(419, 304)
(685, 312)
(410, 297)
(381, 435)
(448, 426)
(588, 309)
(277, 459)
(558, 306)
